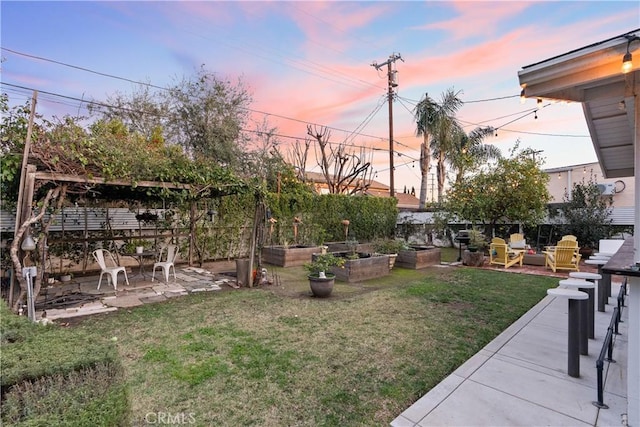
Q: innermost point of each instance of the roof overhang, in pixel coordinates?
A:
(592, 76)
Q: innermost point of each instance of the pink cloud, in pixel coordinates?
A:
(330, 24)
(477, 18)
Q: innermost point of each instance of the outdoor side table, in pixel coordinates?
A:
(604, 285)
(591, 277)
(573, 341)
(140, 257)
(586, 318)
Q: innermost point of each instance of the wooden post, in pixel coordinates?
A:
(20, 208)
(252, 249)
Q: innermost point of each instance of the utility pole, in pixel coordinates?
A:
(393, 82)
(533, 153)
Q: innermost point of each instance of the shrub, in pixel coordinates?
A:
(57, 376)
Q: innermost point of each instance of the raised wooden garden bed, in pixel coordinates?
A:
(289, 256)
(345, 247)
(419, 257)
(360, 269)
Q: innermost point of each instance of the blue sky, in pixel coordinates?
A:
(310, 62)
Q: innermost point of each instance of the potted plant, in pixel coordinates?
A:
(66, 276)
(477, 241)
(137, 246)
(321, 281)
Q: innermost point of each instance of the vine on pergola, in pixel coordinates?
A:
(71, 161)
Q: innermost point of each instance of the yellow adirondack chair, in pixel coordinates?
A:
(500, 254)
(563, 257)
(564, 243)
(517, 241)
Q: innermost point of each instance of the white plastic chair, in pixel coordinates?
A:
(167, 264)
(108, 265)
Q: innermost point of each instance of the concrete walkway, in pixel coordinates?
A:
(520, 379)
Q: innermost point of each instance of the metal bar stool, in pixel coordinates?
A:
(573, 339)
(591, 277)
(585, 319)
(604, 285)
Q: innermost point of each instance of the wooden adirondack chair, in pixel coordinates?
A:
(568, 243)
(563, 257)
(500, 254)
(517, 241)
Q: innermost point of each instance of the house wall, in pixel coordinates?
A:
(562, 180)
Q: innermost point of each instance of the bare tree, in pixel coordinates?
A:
(298, 158)
(344, 171)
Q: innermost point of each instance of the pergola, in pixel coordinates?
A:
(592, 75)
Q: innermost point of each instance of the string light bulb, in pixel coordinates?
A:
(627, 59)
(28, 244)
(535, 114)
(627, 62)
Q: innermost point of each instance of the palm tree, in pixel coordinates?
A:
(471, 153)
(436, 123)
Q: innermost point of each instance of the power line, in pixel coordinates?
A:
(157, 87)
(502, 128)
(81, 68)
(102, 104)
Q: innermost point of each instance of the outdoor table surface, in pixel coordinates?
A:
(622, 262)
(140, 257)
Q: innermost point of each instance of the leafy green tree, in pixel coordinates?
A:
(13, 133)
(587, 213)
(512, 190)
(207, 118)
(142, 111)
(203, 114)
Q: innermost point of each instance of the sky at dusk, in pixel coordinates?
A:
(311, 62)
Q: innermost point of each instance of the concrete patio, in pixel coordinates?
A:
(81, 297)
(520, 378)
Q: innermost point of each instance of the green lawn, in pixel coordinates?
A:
(275, 356)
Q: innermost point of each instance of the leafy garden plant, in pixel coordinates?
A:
(322, 263)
